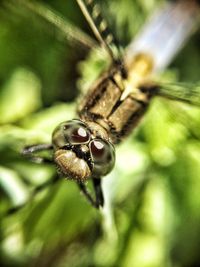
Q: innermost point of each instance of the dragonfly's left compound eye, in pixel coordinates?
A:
(67, 139)
(103, 156)
(71, 132)
(76, 132)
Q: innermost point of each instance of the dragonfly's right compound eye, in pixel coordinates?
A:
(72, 132)
(103, 156)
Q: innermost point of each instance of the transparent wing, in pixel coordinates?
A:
(69, 31)
(188, 93)
(92, 12)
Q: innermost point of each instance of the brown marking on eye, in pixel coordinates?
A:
(79, 135)
(97, 149)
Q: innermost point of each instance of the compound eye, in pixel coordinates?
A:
(76, 132)
(103, 156)
(80, 135)
(70, 132)
(98, 150)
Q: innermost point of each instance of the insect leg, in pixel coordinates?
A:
(98, 192)
(94, 202)
(87, 194)
(30, 150)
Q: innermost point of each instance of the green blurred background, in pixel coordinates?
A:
(152, 212)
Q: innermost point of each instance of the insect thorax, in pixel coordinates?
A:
(104, 105)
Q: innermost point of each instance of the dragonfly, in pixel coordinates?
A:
(84, 148)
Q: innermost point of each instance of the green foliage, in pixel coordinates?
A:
(152, 214)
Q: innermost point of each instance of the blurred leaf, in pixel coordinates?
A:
(19, 96)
